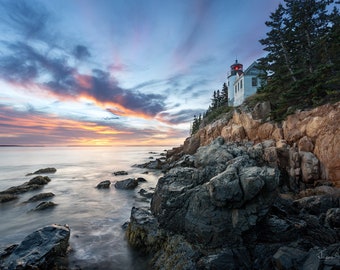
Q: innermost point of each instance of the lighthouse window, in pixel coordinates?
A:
(254, 81)
(241, 84)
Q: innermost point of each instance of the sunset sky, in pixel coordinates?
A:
(118, 72)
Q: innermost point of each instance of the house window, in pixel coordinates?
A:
(241, 84)
(254, 81)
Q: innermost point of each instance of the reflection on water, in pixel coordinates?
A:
(94, 216)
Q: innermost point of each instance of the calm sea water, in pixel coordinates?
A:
(94, 216)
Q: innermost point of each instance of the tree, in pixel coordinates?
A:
(303, 54)
(224, 95)
(196, 124)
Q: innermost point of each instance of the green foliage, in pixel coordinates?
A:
(218, 106)
(303, 62)
(215, 114)
(196, 124)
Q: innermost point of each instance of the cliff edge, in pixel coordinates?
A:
(315, 131)
(247, 193)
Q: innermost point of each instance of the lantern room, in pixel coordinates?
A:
(236, 68)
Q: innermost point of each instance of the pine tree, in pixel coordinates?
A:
(303, 52)
(224, 95)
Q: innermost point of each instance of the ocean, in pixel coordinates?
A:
(95, 216)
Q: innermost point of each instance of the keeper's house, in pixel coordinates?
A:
(242, 84)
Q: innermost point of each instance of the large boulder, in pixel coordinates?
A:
(33, 184)
(40, 196)
(44, 206)
(129, 183)
(7, 197)
(104, 184)
(309, 167)
(38, 250)
(224, 196)
(43, 171)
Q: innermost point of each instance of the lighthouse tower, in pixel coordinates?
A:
(236, 70)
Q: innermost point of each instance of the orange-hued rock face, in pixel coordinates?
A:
(316, 131)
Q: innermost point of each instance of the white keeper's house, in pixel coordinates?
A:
(242, 84)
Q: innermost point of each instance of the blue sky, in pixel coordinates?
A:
(120, 72)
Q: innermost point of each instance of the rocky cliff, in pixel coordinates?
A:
(247, 193)
(316, 132)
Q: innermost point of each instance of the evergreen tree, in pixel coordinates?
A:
(224, 95)
(303, 54)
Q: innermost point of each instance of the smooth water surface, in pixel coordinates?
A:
(94, 216)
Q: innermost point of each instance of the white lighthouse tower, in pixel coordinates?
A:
(236, 70)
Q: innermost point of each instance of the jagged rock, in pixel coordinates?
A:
(289, 258)
(43, 171)
(186, 161)
(309, 167)
(156, 164)
(317, 204)
(332, 218)
(129, 183)
(145, 193)
(35, 183)
(117, 173)
(305, 144)
(104, 184)
(228, 198)
(7, 197)
(143, 232)
(217, 201)
(40, 196)
(38, 250)
(44, 206)
(228, 258)
(261, 110)
(314, 130)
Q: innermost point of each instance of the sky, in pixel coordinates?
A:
(118, 72)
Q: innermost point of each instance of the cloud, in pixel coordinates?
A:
(26, 65)
(81, 52)
(179, 117)
(29, 19)
(200, 10)
(32, 127)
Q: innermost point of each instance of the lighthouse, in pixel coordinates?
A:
(242, 84)
(236, 70)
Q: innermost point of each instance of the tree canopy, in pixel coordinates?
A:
(303, 60)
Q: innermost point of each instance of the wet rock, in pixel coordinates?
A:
(117, 173)
(156, 164)
(185, 161)
(142, 232)
(39, 180)
(43, 171)
(39, 250)
(104, 184)
(146, 193)
(141, 180)
(40, 196)
(7, 197)
(129, 183)
(35, 183)
(44, 206)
